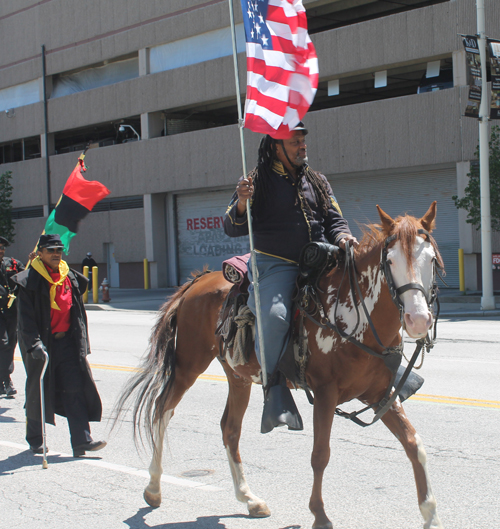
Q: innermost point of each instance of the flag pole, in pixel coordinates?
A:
(255, 272)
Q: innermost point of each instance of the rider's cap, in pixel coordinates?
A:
(301, 127)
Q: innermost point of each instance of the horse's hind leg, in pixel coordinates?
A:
(152, 493)
(236, 405)
(397, 422)
(184, 379)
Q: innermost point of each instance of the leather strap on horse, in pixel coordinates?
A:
(390, 355)
(388, 399)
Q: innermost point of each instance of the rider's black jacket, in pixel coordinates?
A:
(291, 218)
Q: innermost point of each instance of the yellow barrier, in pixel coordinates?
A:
(95, 284)
(86, 294)
(461, 270)
(146, 274)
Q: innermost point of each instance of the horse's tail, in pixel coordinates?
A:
(149, 389)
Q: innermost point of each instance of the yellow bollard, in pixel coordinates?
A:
(461, 270)
(146, 274)
(95, 284)
(86, 293)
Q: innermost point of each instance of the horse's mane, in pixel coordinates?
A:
(406, 228)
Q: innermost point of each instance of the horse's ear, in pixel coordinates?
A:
(429, 219)
(387, 221)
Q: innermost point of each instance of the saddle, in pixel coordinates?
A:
(236, 323)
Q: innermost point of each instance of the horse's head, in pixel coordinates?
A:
(410, 258)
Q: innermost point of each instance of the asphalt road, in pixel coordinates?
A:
(368, 484)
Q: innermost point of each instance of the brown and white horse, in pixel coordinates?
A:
(183, 344)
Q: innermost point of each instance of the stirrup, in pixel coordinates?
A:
(280, 410)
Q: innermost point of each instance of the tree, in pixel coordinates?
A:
(471, 202)
(6, 224)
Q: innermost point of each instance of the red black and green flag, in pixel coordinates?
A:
(78, 198)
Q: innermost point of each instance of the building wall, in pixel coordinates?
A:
(409, 133)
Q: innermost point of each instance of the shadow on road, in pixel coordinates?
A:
(203, 522)
(6, 418)
(28, 459)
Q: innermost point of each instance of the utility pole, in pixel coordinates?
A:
(487, 299)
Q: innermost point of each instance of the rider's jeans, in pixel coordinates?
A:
(277, 279)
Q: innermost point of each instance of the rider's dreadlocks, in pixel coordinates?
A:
(262, 173)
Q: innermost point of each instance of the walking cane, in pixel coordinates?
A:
(42, 405)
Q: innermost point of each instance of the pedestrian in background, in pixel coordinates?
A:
(89, 261)
(8, 318)
(52, 320)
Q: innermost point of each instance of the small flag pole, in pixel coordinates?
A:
(255, 272)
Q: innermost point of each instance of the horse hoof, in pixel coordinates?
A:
(153, 500)
(328, 525)
(258, 509)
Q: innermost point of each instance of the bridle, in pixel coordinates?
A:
(430, 295)
(390, 355)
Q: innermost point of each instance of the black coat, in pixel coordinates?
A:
(291, 217)
(8, 268)
(35, 328)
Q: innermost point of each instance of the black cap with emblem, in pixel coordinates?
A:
(50, 240)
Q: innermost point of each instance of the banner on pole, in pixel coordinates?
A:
(473, 63)
(282, 66)
(494, 48)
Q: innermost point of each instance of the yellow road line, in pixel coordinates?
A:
(457, 400)
(219, 378)
(439, 399)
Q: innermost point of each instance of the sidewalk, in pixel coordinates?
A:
(454, 304)
(132, 299)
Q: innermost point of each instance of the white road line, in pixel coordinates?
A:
(180, 482)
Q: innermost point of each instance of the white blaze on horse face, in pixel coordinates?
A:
(417, 316)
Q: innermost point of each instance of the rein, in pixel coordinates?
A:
(390, 355)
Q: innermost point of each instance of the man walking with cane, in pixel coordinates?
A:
(52, 320)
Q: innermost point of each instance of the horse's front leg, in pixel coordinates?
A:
(325, 401)
(236, 405)
(397, 422)
(152, 493)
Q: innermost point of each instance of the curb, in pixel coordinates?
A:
(94, 306)
(448, 314)
(471, 314)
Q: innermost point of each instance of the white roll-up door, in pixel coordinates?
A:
(200, 234)
(410, 193)
(201, 237)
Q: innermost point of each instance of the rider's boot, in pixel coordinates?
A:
(279, 406)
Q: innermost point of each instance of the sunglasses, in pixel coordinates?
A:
(54, 250)
(2, 247)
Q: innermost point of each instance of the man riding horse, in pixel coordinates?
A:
(291, 205)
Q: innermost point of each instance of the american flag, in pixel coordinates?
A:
(282, 66)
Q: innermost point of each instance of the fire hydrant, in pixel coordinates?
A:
(105, 290)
